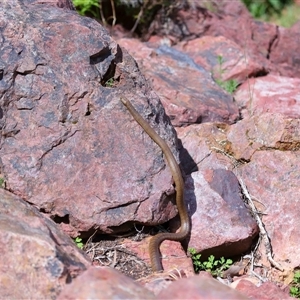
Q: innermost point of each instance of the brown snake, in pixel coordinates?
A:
(155, 255)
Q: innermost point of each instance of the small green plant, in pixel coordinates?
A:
(265, 8)
(196, 259)
(289, 16)
(295, 286)
(212, 265)
(110, 82)
(220, 63)
(79, 242)
(230, 85)
(2, 183)
(87, 6)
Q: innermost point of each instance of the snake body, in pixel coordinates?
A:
(155, 255)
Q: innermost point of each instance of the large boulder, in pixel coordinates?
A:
(68, 144)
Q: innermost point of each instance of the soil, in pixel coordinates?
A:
(114, 254)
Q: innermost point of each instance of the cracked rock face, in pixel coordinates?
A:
(66, 143)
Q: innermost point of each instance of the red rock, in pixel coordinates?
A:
(68, 4)
(266, 47)
(272, 178)
(284, 51)
(229, 19)
(196, 20)
(267, 291)
(37, 259)
(212, 192)
(187, 91)
(196, 144)
(263, 131)
(199, 287)
(221, 219)
(104, 283)
(271, 93)
(68, 144)
(236, 64)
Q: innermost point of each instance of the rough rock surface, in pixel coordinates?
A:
(222, 57)
(222, 225)
(271, 93)
(199, 287)
(272, 47)
(267, 291)
(221, 222)
(270, 142)
(186, 89)
(262, 132)
(104, 283)
(68, 4)
(254, 37)
(272, 178)
(37, 260)
(68, 145)
(198, 141)
(283, 52)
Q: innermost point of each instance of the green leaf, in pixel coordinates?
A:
(297, 275)
(211, 258)
(79, 243)
(295, 292)
(222, 260)
(277, 5)
(192, 250)
(2, 182)
(84, 6)
(220, 59)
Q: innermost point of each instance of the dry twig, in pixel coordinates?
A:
(263, 232)
(113, 12)
(102, 14)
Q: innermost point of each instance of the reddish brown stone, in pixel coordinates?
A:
(285, 51)
(67, 4)
(221, 219)
(199, 287)
(37, 259)
(263, 131)
(271, 93)
(218, 213)
(208, 50)
(104, 283)
(272, 178)
(68, 144)
(187, 90)
(266, 291)
(229, 19)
